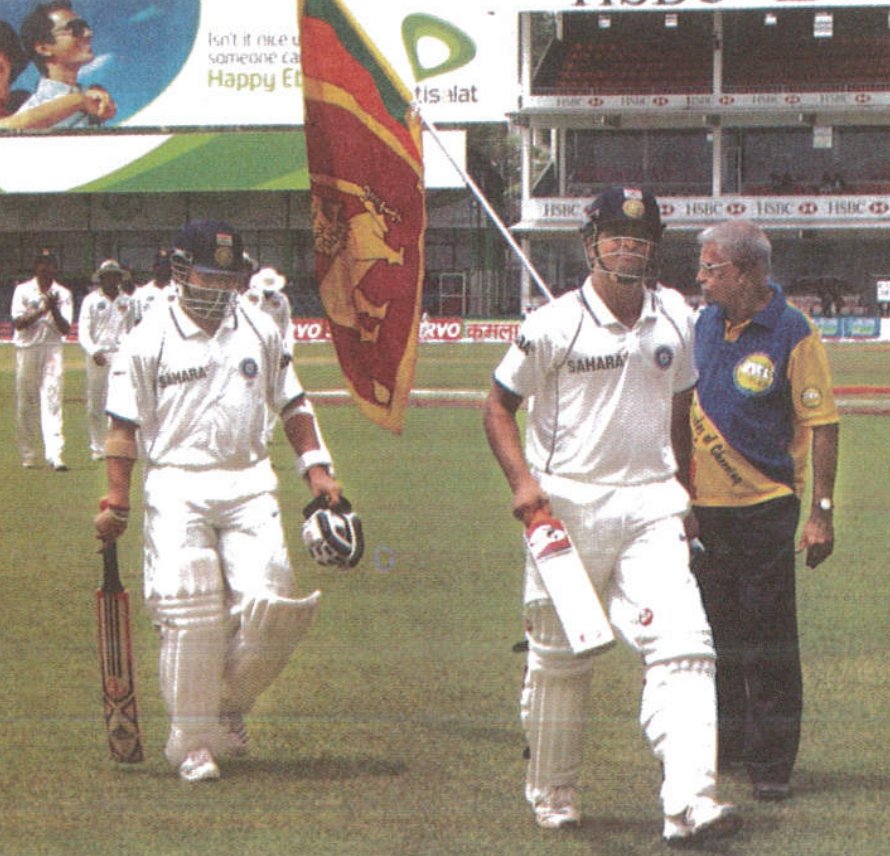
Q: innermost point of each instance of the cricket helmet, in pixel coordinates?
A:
(212, 252)
(630, 212)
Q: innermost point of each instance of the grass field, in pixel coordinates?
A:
(395, 729)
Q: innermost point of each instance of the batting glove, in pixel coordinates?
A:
(333, 535)
(111, 521)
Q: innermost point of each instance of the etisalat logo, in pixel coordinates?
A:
(427, 34)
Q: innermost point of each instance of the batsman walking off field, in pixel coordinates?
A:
(188, 394)
(608, 371)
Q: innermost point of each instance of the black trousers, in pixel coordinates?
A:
(746, 577)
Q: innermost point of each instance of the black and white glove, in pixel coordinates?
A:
(333, 535)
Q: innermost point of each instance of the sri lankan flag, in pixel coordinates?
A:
(363, 142)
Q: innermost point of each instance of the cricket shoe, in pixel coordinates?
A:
(557, 807)
(235, 741)
(198, 766)
(704, 820)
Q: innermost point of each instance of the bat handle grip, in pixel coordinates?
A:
(111, 577)
(538, 516)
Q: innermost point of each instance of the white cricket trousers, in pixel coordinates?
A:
(38, 387)
(96, 393)
(632, 543)
(214, 547)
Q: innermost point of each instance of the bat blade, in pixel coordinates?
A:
(116, 664)
(565, 577)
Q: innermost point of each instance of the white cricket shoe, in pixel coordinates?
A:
(557, 807)
(235, 740)
(704, 820)
(198, 766)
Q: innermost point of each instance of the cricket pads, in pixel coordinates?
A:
(333, 534)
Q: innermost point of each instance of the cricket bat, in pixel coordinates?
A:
(574, 597)
(116, 663)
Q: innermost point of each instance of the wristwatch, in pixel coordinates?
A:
(825, 504)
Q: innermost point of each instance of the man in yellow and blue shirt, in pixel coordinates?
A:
(763, 402)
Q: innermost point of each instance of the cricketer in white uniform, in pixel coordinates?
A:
(158, 290)
(265, 293)
(191, 385)
(608, 372)
(42, 311)
(107, 314)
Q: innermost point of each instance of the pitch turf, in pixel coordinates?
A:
(394, 730)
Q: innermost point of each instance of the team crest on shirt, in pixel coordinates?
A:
(664, 356)
(755, 374)
(249, 368)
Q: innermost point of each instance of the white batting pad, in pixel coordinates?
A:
(554, 702)
(270, 629)
(191, 670)
(679, 718)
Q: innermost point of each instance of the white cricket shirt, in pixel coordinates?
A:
(151, 294)
(27, 297)
(200, 401)
(600, 394)
(104, 321)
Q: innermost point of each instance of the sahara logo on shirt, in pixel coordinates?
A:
(598, 363)
(755, 374)
(174, 377)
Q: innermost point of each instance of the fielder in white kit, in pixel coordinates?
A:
(107, 314)
(42, 310)
(188, 393)
(608, 371)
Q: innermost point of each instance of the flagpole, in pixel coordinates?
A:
(495, 218)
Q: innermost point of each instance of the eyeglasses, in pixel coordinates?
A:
(76, 27)
(706, 267)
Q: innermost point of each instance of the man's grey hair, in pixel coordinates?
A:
(743, 243)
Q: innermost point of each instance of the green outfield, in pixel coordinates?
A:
(395, 728)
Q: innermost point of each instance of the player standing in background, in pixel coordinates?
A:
(608, 371)
(156, 290)
(764, 400)
(194, 380)
(106, 315)
(265, 292)
(42, 311)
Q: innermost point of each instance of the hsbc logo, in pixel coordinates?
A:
(808, 208)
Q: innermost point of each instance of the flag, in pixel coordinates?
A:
(363, 144)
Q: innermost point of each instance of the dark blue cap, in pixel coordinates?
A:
(618, 204)
(211, 246)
